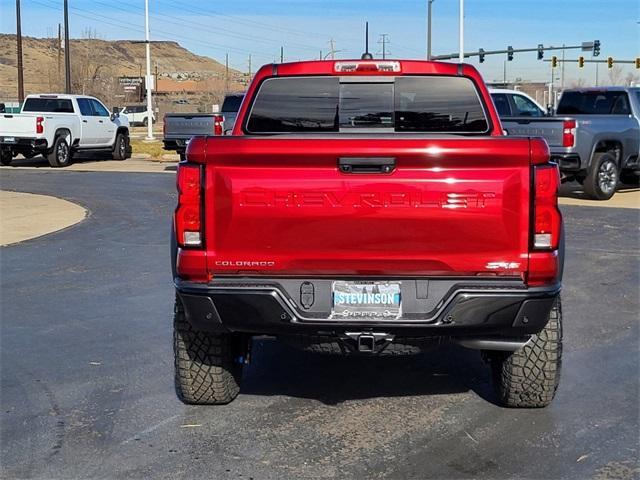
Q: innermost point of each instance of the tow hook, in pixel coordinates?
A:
(367, 342)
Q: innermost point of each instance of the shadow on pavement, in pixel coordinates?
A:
(278, 369)
(575, 190)
(39, 161)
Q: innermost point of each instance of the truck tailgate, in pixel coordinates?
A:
(453, 206)
(549, 128)
(188, 125)
(18, 125)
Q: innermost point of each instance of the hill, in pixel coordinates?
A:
(97, 63)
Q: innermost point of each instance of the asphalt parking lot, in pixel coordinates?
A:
(86, 368)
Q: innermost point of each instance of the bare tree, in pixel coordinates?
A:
(579, 83)
(616, 75)
(631, 79)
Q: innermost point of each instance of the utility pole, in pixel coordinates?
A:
(19, 48)
(226, 73)
(149, 77)
(59, 54)
(461, 21)
(281, 54)
(504, 72)
(67, 50)
(320, 54)
(429, 2)
(249, 67)
(383, 41)
(332, 52)
(596, 74)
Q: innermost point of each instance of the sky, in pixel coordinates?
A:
(305, 28)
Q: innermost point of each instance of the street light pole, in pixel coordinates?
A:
(429, 2)
(19, 52)
(149, 77)
(461, 53)
(67, 51)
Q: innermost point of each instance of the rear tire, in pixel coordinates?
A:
(60, 154)
(207, 370)
(145, 122)
(183, 156)
(120, 147)
(529, 377)
(6, 156)
(602, 179)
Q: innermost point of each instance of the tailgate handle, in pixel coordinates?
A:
(367, 165)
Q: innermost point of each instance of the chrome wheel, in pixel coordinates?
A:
(607, 176)
(62, 153)
(122, 148)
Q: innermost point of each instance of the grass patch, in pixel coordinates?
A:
(155, 149)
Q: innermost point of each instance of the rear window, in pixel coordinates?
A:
(53, 105)
(594, 103)
(232, 103)
(433, 104)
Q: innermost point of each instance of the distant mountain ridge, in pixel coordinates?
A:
(96, 57)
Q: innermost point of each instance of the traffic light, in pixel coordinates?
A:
(637, 62)
(509, 53)
(580, 62)
(540, 51)
(481, 55)
(609, 62)
(554, 61)
(596, 48)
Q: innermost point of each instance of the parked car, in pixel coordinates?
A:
(179, 128)
(137, 115)
(594, 135)
(368, 207)
(58, 126)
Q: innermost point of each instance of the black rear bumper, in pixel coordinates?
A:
(24, 145)
(434, 308)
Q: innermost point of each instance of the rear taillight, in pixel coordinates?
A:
(188, 216)
(547, 219)
(39, 125)
(568, 133)
(218, 121)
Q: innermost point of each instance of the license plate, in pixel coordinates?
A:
(9, 140)
(366, 300)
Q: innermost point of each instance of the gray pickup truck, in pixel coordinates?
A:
(594, 136)
(179, 128)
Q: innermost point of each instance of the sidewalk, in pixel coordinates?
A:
(24, 216)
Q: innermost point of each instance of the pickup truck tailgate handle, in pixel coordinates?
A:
(366, 164)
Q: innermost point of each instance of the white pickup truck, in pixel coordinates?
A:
(57, 126)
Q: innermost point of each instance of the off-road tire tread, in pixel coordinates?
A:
(116, 147)
(529, 377)
(206, 372)
(332, 346)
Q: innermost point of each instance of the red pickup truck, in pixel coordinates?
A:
(368, 207)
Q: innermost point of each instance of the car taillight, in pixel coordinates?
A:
(39, 125)
(218, 121)
(568, 133)
(188, 215)
(547, 218)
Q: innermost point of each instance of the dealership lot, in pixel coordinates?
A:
(87, 367)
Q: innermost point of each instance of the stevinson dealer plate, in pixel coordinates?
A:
(366, 300)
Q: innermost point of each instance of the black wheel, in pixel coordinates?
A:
(5, 156)
(208, 367)
(60, 154)
(529, 377)
(183, 156)
(120, 147)
(602, 179)
(145, 122)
